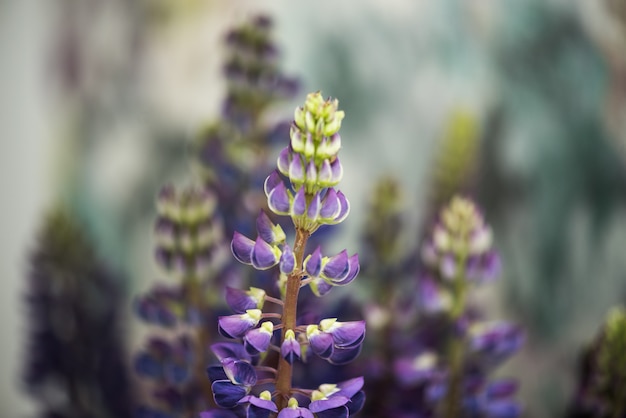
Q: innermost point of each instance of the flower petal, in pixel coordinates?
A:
(226, 394)
(278, 199)
(284, 159)
(287, 260)
(264, 255)
(330, 206)
(313, 263)
(241, 247)
(299, 203)
(337, 266)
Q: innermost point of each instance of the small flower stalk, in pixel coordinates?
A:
(458, 254)
(303, 188)
(190, 249)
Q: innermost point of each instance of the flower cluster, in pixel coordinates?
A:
(188, 243)
(233, 152)
(245, 382)
(75, 347)
(458, 348)
(186, 234)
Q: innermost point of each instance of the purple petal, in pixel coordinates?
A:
(337, 266)
(261, 403)
(337, 171)
(311, 173)
(313, 263)
(241, 247)
(295, 413)
(299, 203)
(267, 230)
(271, 182)
(257, 341)
(296, 170)
(432, 299)
(501, 388)
(448, 267)
(218, 413)
(239, 372)
(287, 260)
(344, 355)
(356, 403)
(352, 272)
(229, 349)
(350, 387)
(492, 266)
(345, 208)
(321, 344)
(320, 287)
(284, 159)
(313, 211)
(325, 174)
(348, 334)
(278, 199)
(239, 300)
(330, 205)
(290, 350)
(226, 394)
(235, 326)
(503, 409)
(329, 403)
(263, 255)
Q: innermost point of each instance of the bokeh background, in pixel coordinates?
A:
(100, 100)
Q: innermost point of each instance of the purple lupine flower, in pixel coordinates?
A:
(290, 348)
(337, 400)
(495, 341)
(417, 370)
(259, 407)
(326, 272)
(287, 263)
(258, 340)
(240, 300)
(232, 381)
(294, 410)
(236, 326)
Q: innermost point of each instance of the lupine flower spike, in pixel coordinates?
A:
(303, 189)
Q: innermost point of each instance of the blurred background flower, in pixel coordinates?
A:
(102, 99)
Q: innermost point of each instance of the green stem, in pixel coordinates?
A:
(456, 345)
(290, 311)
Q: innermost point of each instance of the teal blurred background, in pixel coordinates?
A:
(101, 98)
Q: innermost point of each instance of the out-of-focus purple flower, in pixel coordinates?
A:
(294, 410)
(420, 369)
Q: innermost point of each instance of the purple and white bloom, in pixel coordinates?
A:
(294, 410)
(338, 270)
(236, 326)
(287, 263)
(338, 400)
(495, 341)
(259, 407)
(345, 334)
(337, 342)
(433, 299)
(290, 348)
(259, 253)
(226, 350)
(241, 300)
(258, 340)
(417, 370)
(232, 381)
(268, 231)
